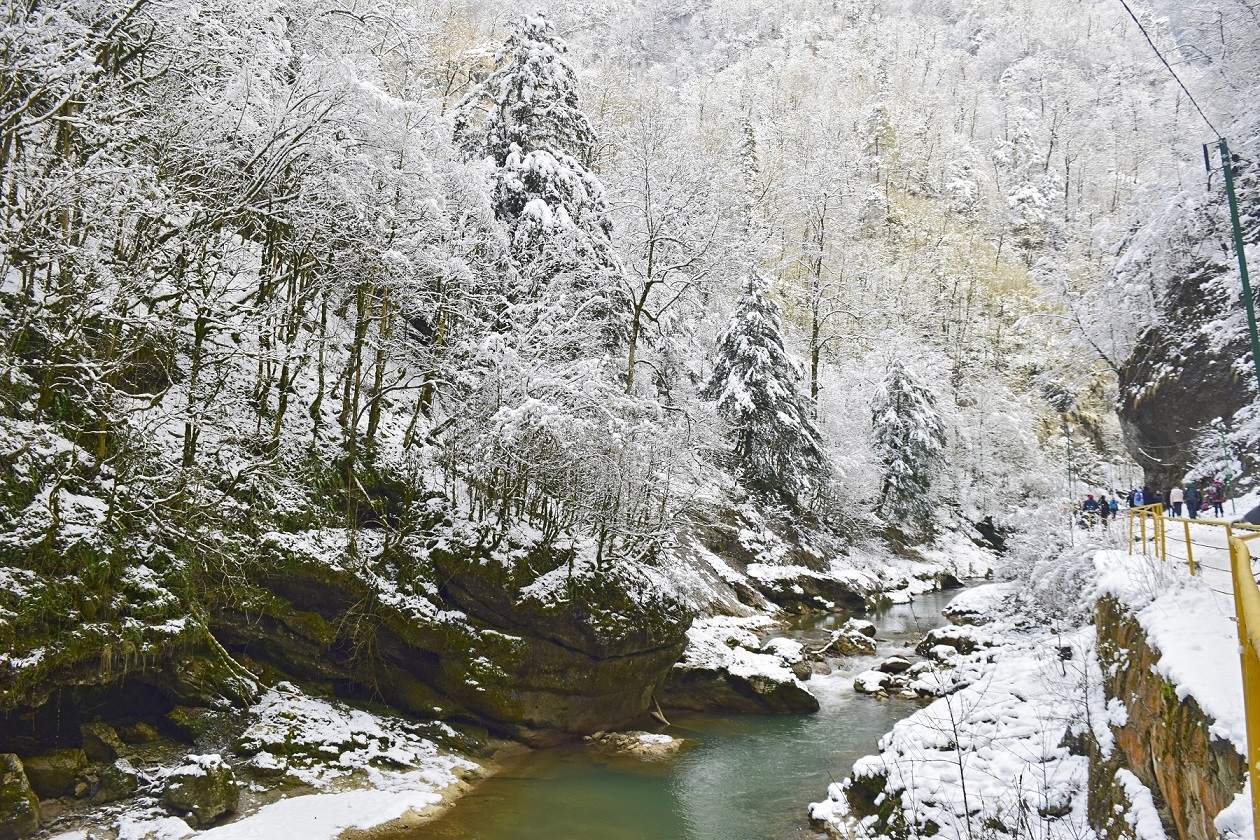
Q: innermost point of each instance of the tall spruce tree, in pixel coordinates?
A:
(526, 119)
(754, 382)
(910, 440)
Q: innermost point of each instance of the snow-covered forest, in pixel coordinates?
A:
(401, 347)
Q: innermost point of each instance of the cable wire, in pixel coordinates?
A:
(1168, 66)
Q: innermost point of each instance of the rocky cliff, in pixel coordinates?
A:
(1166, 742)
(1192, 364)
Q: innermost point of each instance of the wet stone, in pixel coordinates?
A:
(55, 773)
(19, 806)
(101, 742)
(895, 665)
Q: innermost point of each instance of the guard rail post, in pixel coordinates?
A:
(1189, 550)
(1247, 607)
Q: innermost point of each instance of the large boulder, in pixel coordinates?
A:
(850, 640)
(56, 773)
(798, 588)
(101, 742)
(941, 643)
(114, 781)
(201, 790)
(19, 806)
(709, 690)
(725, 668)
(562, 648)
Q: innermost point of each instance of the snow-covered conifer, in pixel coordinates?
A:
(529, 102)
(754, 382)
(527, 120)
(910, 440)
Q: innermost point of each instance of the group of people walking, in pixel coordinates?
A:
(1191, 498)
(1100, 509)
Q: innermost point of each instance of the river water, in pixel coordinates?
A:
(747, 777)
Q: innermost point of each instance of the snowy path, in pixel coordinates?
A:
(1209, 546)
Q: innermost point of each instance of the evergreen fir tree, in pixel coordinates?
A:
(529, 102)
(910, 440)
(526, 119)
(777, 448)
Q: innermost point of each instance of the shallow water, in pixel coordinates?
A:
(747, 776)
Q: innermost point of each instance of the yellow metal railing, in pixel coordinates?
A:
(1247, 608)
(1150, 524)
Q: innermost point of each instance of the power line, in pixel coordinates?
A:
(1168, 66)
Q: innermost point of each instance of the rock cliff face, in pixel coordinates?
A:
(1193, 364)
(439, 627)
(480, 645)
(1166, 742)
(1179, 379)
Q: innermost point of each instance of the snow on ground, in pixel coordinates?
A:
(327, 815)
(991, 752)
(1197, 641)
(344, 768)
(731, 644)
(321, 743)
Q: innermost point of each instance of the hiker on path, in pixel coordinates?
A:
(1104, 510)
(1090, 508)
(1194, 499)
(1216, 495)
(1177, 496)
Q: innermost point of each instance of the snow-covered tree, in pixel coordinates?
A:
(526, 119)
(910, 440)
(754, 381)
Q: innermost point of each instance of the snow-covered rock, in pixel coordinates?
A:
(724, 667)
(649, 746)
(979, 605)
(874, 682)
(201, 790)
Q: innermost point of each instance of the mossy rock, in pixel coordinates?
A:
(544, 670)
(140, 732)
(863, 792)
(19, 806)
(192, 724)
(55, 774)
(101, 742)
(202, 790)
(115, 781)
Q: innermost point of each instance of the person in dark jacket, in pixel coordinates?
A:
(1194, 499)
(1090, 509)
(1104, 510)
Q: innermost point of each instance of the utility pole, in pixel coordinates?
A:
(1227, 163)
